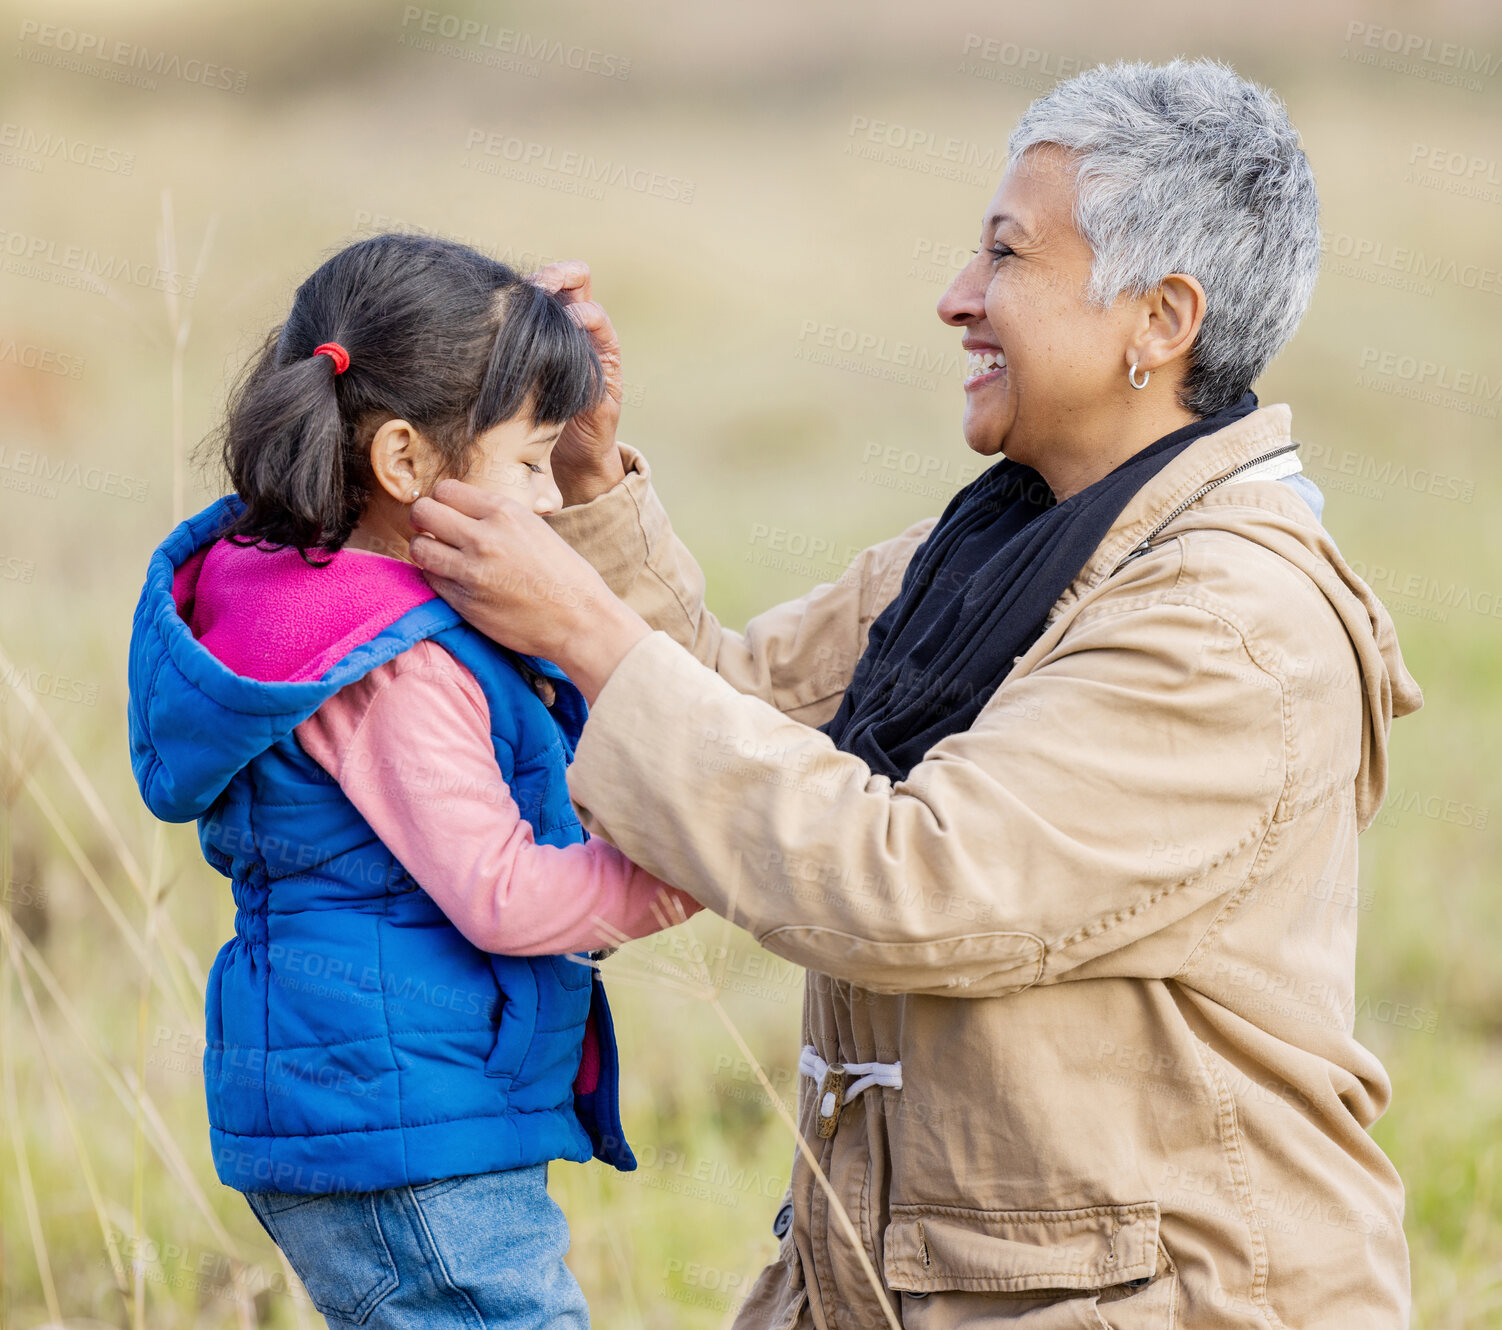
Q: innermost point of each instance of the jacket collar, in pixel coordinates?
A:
(1264, 431)
(1272, 516)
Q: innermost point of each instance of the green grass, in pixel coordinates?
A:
(785, 229)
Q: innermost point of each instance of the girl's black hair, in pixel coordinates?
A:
(437, 334)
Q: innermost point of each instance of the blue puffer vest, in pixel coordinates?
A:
(355, 1039)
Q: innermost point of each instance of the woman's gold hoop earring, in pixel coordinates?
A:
(1132, 376)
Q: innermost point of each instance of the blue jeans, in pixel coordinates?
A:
(483, 1252)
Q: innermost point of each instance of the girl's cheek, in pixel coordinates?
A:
(504, 476)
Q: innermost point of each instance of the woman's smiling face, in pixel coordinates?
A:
(1047, 371)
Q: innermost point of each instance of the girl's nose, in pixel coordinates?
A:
(548, 499)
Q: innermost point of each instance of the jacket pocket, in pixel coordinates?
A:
(778, 1299)
(1101, 1267)
(516, 1027)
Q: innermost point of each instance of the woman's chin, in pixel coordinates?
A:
(985, 432)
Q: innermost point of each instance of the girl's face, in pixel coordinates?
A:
(514, 458)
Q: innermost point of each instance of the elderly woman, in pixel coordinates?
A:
(1056, 796)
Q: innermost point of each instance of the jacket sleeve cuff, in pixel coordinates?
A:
(614, 530)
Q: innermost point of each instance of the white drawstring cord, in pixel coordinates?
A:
(868, 1073)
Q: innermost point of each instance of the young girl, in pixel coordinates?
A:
(398, 1040)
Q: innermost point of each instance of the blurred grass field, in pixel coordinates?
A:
(768, 302)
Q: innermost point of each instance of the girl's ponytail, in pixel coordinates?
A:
(287, 449)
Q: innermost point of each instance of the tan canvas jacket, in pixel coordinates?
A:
(1108, 932)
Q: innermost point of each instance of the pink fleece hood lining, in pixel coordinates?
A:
(269, 615)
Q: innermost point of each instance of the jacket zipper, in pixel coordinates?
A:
(536, 680)
(1147, 540)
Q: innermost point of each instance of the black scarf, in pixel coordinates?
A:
(977, 595)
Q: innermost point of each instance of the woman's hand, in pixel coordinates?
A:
(520, 583)
(585, 459)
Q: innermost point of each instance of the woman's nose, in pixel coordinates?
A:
(965, 300)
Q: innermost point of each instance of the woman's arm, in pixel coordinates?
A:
(1101, 810)
(798, 656)
(410, 747)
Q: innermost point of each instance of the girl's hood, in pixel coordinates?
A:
(233, 646)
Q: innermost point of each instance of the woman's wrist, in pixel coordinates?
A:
(593, 654)
(580, 487)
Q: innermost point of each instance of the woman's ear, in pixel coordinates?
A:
(1178, 313)
(398, 457)
(1167, 322)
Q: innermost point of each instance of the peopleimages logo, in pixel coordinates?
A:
(1000, 61)
(1430, 381)
(48, 683)
(93, 53)
(23, 145)
(925, 151)
(1353, 255)
(874, 355)
(1419, 49)
(369, 223)
(36, 256)
(29, 472)
(1429, 597)
(510, 42)
(533, 162)
(42, 359)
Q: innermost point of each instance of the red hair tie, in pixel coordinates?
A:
(336, 353)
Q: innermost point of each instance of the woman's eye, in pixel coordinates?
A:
(996, 251)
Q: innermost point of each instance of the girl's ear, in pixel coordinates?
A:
(399, 457)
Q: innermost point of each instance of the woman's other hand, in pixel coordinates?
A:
(520, 583)
(585, 460)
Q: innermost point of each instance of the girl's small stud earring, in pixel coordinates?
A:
(417, 494)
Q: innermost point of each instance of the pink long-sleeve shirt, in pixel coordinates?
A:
(410, 747)
(409, 744)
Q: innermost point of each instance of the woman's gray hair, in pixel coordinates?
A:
(1186, 167)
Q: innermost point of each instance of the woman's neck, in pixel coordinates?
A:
(1071, 469)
